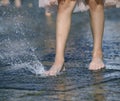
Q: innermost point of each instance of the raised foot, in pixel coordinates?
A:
(96, 64)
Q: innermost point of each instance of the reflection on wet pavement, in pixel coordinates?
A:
(27, 39)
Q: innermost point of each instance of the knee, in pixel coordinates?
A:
(66, 6)
(95, 4)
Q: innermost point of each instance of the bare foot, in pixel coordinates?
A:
(55, 69)
(96, 63)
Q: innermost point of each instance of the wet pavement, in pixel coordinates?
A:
(27, 40)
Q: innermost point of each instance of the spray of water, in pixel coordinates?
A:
(18, 52)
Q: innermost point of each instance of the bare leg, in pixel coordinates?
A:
(18, 3)
(97, 24)
(63, 26)
(47, 10)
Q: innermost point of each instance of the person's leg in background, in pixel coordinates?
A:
(18, 3)
(5, 2)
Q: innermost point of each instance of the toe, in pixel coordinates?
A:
(46, 73)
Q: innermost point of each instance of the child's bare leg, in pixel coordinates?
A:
(18, 3)
(97, 24)
(63, 26)
(47, 10)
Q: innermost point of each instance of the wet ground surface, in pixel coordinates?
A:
(27, 39)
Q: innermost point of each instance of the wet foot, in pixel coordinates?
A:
(55, 69)
(97, 63)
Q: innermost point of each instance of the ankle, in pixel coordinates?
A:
(59, 61)
(97, 54)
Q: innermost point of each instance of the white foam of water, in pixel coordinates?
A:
(34, 67)
(114, 67)
(20, 48)
(114, 74)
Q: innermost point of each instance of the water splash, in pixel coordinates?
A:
(16, 50)
(35, 67)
